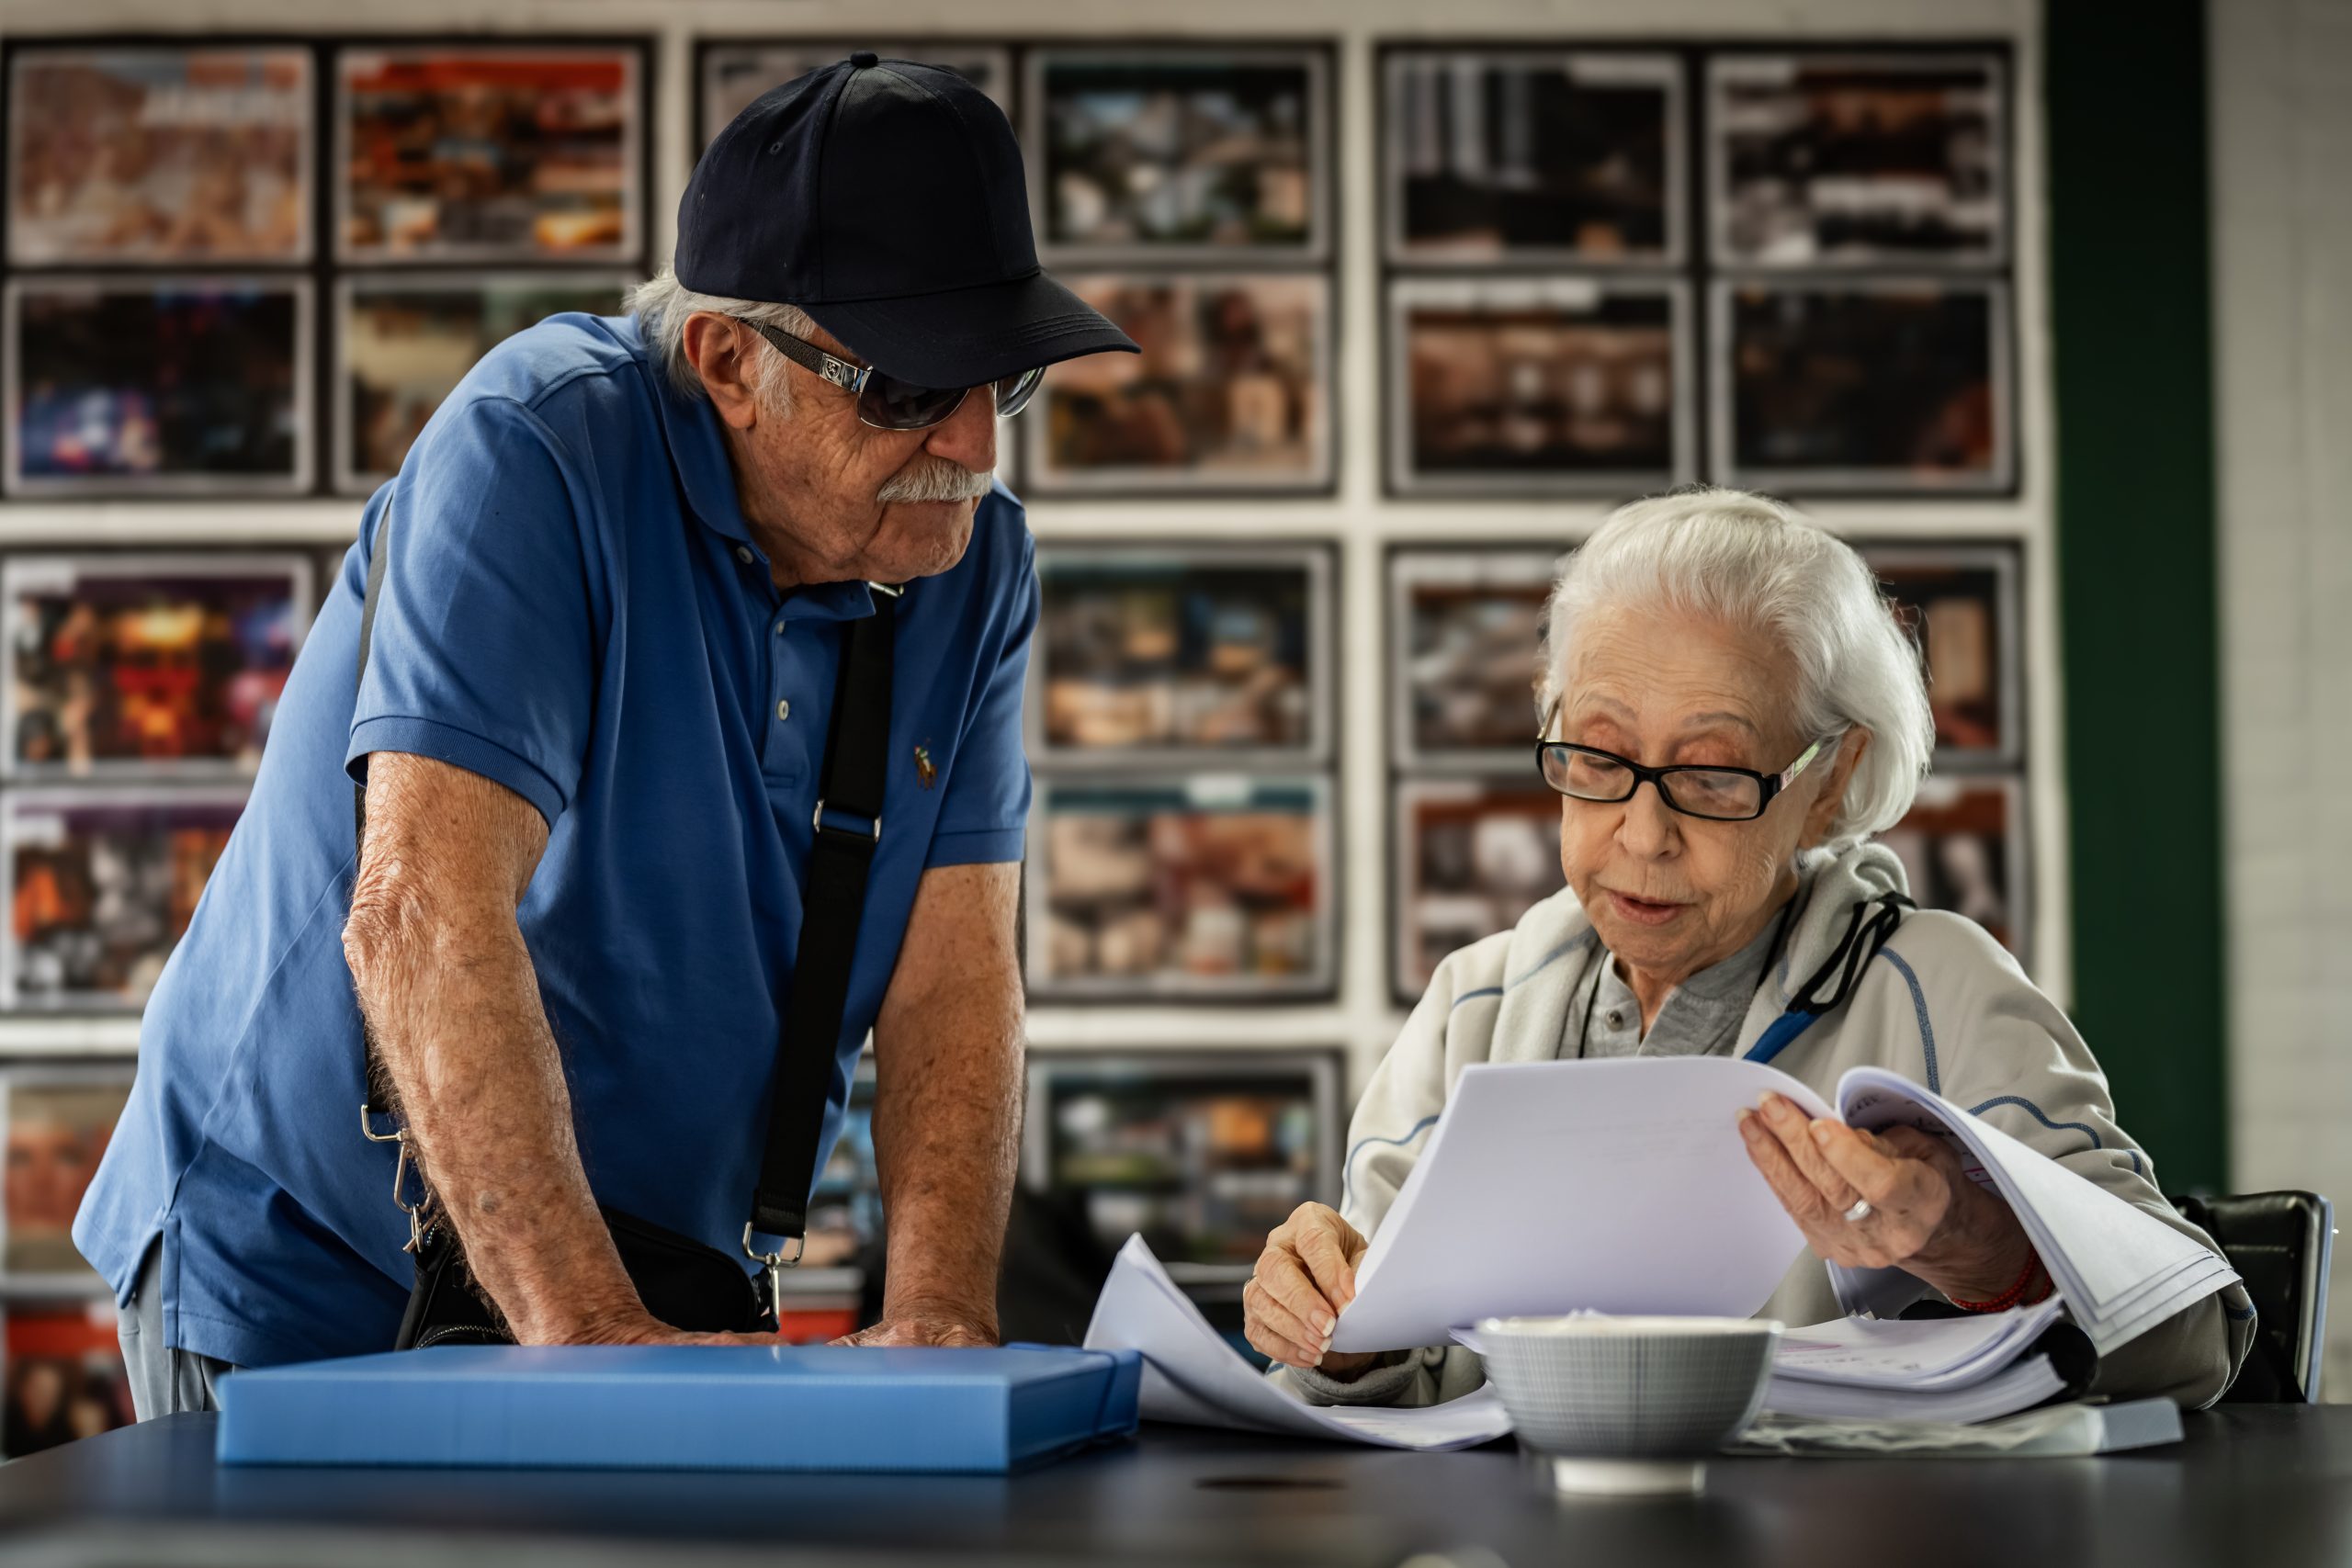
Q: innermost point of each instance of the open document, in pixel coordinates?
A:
(1622, 1186)
(1192, 1375)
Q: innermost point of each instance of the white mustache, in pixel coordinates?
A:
(935, 478)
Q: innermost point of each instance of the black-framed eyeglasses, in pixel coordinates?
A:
(888, 403)
(1717, 794)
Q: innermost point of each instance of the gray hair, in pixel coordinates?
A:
(1754, 563)
(662, 304)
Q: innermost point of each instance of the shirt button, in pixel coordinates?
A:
(743, 554)
(779, 629)
(1616, 1018)
(783, 710)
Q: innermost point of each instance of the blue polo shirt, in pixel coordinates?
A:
(576, 609)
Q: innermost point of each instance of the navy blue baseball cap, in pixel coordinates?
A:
(886, 199)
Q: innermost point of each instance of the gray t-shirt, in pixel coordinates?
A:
(1701, 1016)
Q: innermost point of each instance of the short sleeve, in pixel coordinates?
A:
(983, 816)
(482, 650)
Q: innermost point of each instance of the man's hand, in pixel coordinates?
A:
(947, 1049)
(942, 1329)
(1926, 1217)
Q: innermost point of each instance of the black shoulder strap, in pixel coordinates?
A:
(848, 822)
(849, 828)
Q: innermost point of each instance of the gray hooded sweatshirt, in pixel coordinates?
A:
(1942, 1003)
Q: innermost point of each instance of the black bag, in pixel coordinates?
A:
(684, 1282)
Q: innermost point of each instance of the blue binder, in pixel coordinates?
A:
(684, 1407)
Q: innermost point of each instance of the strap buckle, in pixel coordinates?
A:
(775, 1263)
(816, 821)
(415, 1212)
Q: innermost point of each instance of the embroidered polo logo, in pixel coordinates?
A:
(925, 769)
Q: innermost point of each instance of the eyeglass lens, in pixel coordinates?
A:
(893, 404)
(1696, 792)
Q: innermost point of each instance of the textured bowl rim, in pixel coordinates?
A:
(1602, 1325)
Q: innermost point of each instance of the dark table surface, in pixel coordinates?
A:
(2257, 1485)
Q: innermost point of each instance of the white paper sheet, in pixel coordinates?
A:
(1554, 1186)
(2120, 1269)
(2015, 1387)
(1945, 1352)
(1193, 1376)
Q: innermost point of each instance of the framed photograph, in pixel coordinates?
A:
(102, 884)
(146, 666)
(58, 1120)
(1962, 603)
(1155, 156)
(1858, 160)
(1554, 386)
(1465, 628)
(1163, 657)
(159, 154)
(1231, 392)
(1963, 848)
(1201, 1152)
(407, 341)
(489, 153)
(64, 1377)
(733, 73)
(1889, 386)
(1525, 156)
(157, 387)
(1212, 887)
(1471, 857)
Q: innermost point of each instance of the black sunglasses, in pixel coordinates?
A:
(888, 403)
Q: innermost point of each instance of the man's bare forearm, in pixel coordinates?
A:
(452, 1002)
(947, 1097)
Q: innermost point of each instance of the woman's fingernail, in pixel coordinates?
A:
(1323, 1325)
(1744, 1117)
(1823, 1131)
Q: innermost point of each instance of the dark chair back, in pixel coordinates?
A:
(2279, 1243)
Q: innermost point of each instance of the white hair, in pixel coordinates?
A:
(663, 305)
(1759, 566)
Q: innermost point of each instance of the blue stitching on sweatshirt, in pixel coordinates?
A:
(2038, 1114)
(1584, 938)
(1918, 1005)
(1347, 1170)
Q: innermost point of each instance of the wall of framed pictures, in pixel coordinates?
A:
(1420, 298)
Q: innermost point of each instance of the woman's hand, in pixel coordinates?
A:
(1303, 1279)
(1926, 1217)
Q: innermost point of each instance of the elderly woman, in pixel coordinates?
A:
(1730, 711)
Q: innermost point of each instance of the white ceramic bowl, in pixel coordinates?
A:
(1645, 1397)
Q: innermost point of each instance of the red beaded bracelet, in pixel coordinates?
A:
(2014, 1295)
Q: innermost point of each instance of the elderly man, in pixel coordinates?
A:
(645, 591)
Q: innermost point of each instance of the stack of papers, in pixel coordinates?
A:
(1622, 1186)
(1956, 1370)
(1192, 1375)
(2061, 1431)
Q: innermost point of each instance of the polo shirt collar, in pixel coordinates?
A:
(697, 453)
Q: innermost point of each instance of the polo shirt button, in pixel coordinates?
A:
(743, 554)
(1616, 1018)
(783, 710)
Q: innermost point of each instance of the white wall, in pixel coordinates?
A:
(2281, 75)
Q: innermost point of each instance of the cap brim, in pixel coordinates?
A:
(968, 336)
